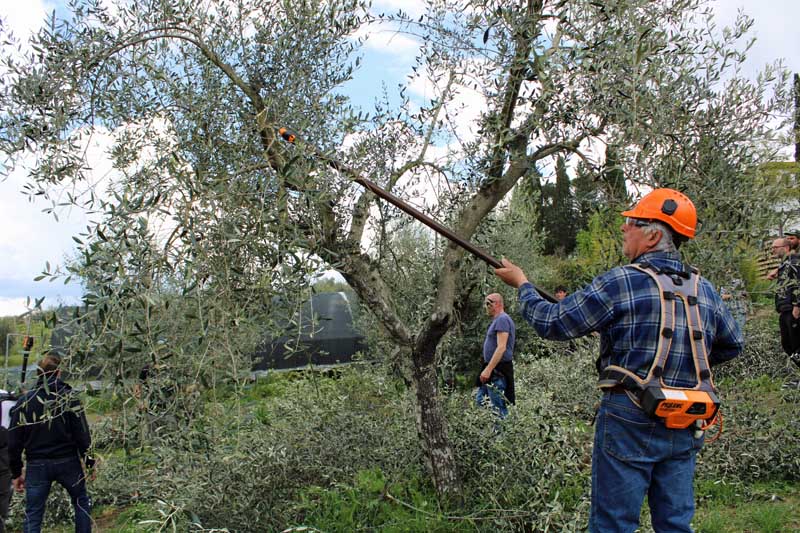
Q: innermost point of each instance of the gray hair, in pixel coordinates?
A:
(667, 243)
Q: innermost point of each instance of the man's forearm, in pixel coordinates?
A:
(496, 357)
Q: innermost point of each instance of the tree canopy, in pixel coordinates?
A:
(208, 213)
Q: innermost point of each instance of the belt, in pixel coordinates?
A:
(616, 389)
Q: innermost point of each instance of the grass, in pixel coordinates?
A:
(15, 359)
(373, 502)
(758, 508)
(109, 519)
(104, 402)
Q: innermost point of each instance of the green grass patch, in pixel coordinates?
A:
(272, 386)
(760, 508)
(15, 359)
(103, 402)
(110, 519)
(130, 519)
(372, 503)
(761, 385)
(719, 492)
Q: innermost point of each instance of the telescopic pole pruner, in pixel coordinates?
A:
(27, 347)
(444, 231)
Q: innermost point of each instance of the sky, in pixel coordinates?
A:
(31, 238)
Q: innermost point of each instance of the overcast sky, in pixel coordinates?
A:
(31, 238)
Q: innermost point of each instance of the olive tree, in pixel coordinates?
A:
(207, 205)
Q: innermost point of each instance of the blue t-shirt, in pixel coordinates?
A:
(501, 323)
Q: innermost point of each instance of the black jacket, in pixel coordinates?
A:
(48, 422)
(787, 292)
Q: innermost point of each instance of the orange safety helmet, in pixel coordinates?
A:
(670, 207)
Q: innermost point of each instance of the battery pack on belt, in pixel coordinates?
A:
(679, 408)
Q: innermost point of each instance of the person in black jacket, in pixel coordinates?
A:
(787, 298)
(49, 425)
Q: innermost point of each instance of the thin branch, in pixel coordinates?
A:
(504, 513)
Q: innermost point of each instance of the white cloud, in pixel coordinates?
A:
(24, 19)
(776, 37)
(414, 8)
(12, 306)
(422, 187)
(385, 39)
(19, 306)
(463, 109)
(32, 238)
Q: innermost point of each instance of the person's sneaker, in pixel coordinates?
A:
(795, 357)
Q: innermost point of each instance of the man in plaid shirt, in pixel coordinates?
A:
(635, 455)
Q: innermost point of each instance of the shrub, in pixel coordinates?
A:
(341, 453)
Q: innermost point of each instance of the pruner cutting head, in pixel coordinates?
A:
(287, 135)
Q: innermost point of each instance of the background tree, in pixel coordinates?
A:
(210, 209)
(796, 90)
(558, 211)
(612, 180)
(7, 325)
(587, 195)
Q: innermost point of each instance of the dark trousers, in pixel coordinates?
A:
(39, 476)
(790, 333)
(5, 497)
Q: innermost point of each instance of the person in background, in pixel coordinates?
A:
(560, 293)
(792, 238)
(787, 298)
(49, 426)
(496, 380)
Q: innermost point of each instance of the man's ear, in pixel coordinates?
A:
(654, 237)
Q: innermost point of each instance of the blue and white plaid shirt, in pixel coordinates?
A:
(624, 305)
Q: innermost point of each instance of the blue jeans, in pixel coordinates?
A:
(495, 390)
(633, 456)
(39, 475)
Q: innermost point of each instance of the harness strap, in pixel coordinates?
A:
(673, 287)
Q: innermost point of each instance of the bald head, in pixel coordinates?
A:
(493, 303)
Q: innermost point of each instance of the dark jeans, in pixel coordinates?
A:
(790, 332)
(39, 476)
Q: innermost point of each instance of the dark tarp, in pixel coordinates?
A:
(322, 333)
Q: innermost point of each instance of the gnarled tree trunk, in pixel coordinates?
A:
(432, 425)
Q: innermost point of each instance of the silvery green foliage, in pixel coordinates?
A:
(194, 238)
(656, 79)
(207, 215)
(267, 452)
